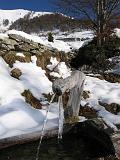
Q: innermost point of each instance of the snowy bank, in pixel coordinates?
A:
(15, 113)
(105, 92)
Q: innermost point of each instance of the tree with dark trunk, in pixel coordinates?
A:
(99, 13)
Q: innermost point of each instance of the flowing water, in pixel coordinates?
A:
(43, 128)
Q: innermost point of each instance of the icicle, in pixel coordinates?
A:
(61, 117)
(43, 128)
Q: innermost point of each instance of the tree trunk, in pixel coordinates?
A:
(101, 22)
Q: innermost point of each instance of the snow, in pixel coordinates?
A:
(59, 69)
(15, 113)
(53, 63)
(117, 32)
(75, 39)
(82, 34)
(76, 44)
(13, 15)
(34, 79)
(38, 14)
(63, 70)
(116, 68)
(20, 54)
(3, 36)
(105, 92)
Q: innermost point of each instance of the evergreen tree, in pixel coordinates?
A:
(50, 37)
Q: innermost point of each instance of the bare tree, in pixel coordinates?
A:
(99, 12)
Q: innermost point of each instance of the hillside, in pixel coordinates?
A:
(35, 22)
(8, 17)
(46, 22)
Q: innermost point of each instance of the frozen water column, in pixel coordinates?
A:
(74, 84)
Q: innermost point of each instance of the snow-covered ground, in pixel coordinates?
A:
(117, 32)
(76, 39)
(15, 113)
(13, 15)
(105, 92)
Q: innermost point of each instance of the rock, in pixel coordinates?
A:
(34, 102)
(2, 53)
(112, 77)
(4, 47)
(86, 94)
(26, 47)
(8, 44)
(113, 107)
(25, 59)
(18, 38)
(16, 43)
(10, 58)
(95, 138)
(88, 112)
(116, 142)
(34, 51)
(16, 73)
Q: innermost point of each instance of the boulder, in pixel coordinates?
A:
(97, 141)
(16, 73)
(18, 38)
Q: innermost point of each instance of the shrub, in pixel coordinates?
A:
(95, 56)
(50, 37)
(5, 22)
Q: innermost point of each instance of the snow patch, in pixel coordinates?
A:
(20, 54)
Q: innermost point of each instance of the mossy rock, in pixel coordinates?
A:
(43, 59)
(2, 53)
(10, 58)
(72, 120)
(29, 98)
(25, 59)
(16, 73)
